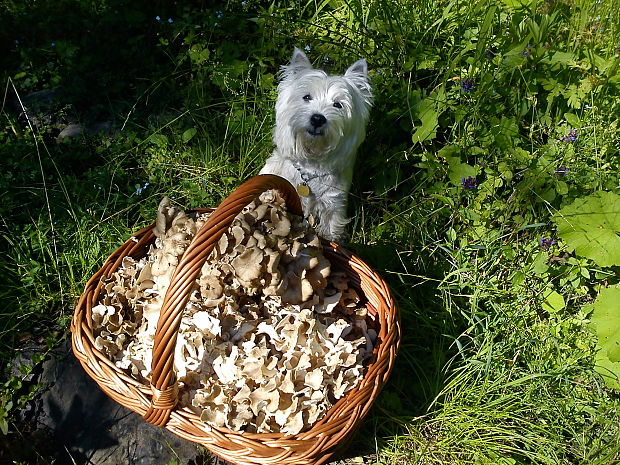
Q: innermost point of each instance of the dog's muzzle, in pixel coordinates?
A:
(317, 121)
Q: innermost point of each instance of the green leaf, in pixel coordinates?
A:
(159, 140)
(590, 226)
(563, 57)
(561, 187)
(459, 171)
(572, 119)
(553, 302)
(4, 426)
(188, 135)
(428, 112)
(605, 321)
(539, 264)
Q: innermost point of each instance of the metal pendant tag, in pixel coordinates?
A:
(303, 189)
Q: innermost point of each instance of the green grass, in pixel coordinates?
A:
(494, 368)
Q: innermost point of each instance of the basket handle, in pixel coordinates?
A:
(163, 380)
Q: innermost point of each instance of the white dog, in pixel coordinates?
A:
(320, 123)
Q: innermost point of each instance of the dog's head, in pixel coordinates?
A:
(320, 116)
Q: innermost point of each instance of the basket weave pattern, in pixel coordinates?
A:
(157, 402)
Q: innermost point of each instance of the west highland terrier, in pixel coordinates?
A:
(320, 123)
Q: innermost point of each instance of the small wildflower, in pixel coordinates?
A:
(219, 14)
(170, 20)
(546, 243)
(490, 53)
(16, 42)
(561, 171)
(157, 18)
(572, 136)
(53, 44)
(618, 48)
(244, 3)
(468, 85)
(527, 50)
(307, 48)
(469, 182)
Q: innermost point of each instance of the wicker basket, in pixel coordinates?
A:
(157, 402)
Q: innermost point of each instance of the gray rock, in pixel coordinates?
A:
(73, 130)
(88, 427)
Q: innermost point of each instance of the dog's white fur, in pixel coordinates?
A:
(320, 150)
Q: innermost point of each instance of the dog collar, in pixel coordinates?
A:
(303, 188)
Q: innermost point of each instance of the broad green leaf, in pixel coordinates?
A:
(590, 226)
(563, 57)
(561, 187)
(553, 302)
(539, 264)
(605, 321)
(187, 135)
(159, 140)
(572, 119)
(458, 171)
(427, 113)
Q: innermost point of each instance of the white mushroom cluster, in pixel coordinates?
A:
(271, 337)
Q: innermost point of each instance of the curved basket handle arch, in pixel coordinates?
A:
(163, 380)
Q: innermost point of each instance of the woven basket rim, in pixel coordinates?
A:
(313, 446)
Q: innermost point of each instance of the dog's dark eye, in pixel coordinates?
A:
(307, 97)
(337, 104)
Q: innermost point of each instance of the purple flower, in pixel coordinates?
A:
(618, 48)
(561, 171)
(469, 182)
(490, 53)
(526, 52)
(157, 18)
(546, 243)
(572, 136)
(468, 85)
(170, 20)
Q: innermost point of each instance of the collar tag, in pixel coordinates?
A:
(303, 189)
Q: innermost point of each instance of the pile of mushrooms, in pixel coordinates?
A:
(270, 338)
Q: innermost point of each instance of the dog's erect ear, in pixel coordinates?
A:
(358, 75)
(299, 62)
(360, 68)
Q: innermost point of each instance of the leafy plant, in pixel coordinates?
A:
(590, 226)
(605, 320)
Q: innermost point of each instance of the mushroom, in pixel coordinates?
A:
(279, 225)
(247, 265)
(297, 290)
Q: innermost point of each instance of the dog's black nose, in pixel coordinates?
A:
(317, 120)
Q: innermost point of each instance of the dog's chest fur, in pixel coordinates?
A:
(326, 190)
